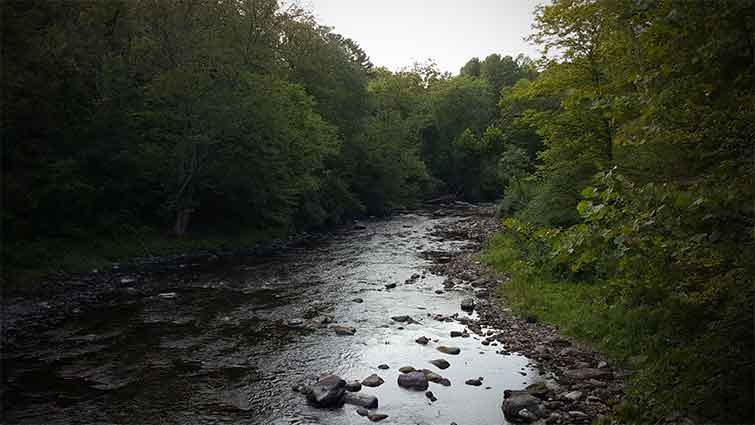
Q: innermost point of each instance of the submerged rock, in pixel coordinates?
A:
(413, 381)
(361, 400)
(377, 417)
(449, 350)
(344, 330)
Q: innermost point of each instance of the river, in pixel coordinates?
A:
(213, 347)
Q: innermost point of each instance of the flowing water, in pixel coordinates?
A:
(215, 349)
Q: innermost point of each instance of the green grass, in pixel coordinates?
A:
(25, 263)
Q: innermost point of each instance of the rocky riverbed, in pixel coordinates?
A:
(392, 321)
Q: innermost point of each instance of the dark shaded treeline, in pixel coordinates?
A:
(147, 117)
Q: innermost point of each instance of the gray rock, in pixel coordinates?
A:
(376, 417)
(515, 401)
(295, 323)
(372, 381)
(573, 395)
(445, 382)
(390, 286)
(441, 364)
(413, 381)
(449, 350)
(327, 392)
(361, 400)
(422, 340)
(474, 382)
(456, 334)
(539, 390)
(344, 330)
(384, 367)
(353, 386)
(358, 300)
(431, 376)
(588, 373)
(467, 304)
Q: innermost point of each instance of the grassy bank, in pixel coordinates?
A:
(691, 380)
(30, 261)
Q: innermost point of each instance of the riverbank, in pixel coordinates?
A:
(582, 385)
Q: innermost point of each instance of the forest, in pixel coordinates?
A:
(621, 161)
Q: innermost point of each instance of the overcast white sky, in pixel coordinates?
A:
(396, 33)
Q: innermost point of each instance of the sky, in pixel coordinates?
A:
(396, 33)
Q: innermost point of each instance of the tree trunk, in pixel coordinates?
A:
(182, 221)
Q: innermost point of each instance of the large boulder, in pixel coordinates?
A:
(413, 381)
(327, 392)
(520, 406)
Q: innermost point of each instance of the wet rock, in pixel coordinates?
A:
(467, 304)
(516, 401)
(439, 291)
(588, 373)
(377, 417)
(361, 400)
(362, 411)
(449, 350)
(422, 340)
(327, 392)
(372, 381)
(390, 286)
(441, 364)
(572, 396)
(344, 330)
(353, 386)
(406, 369)
(431, 376)
(384, 367)
(431, 396)
(474, 382)
(295, 323)
(539, 390)
(456, 334)
(404, 319)
(413, 381)
(445, 382)
(358, 300)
